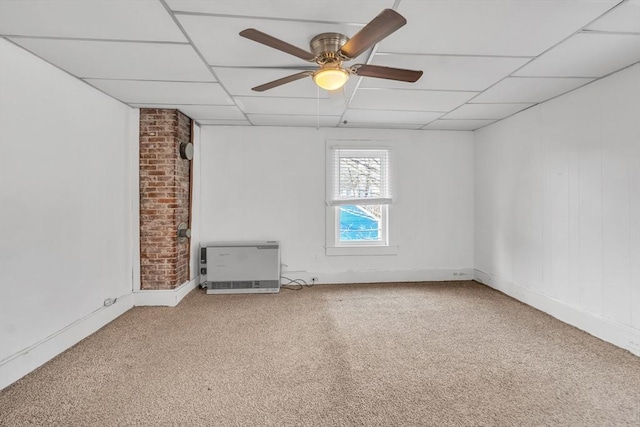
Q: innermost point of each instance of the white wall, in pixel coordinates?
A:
(268, 183)
(66, 220)
(194, 265)
(557, 192)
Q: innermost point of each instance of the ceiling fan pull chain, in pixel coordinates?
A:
(317, 107)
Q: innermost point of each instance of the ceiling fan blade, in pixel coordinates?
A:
(266, 39)
(386, 72)
(280, 82)
(380, 27)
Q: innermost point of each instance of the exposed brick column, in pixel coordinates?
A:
(164, 198)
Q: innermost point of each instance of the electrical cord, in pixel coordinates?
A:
(299, 282)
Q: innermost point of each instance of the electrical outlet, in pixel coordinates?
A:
(314, 280)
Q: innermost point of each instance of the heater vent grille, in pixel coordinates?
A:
(240, 267)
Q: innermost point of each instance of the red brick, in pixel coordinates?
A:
(164, 198)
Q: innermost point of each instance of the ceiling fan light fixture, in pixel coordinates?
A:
(331, 78)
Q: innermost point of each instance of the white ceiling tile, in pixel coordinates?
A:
(623, 18)
(486, 111)
(201, 112)
(293, 120)
(119, 60)
(298, 106)
(586, 55)
(458, 124)
(218, 39)
(239, 81)
(389, 117)
(446, 72)
(529, 89)
(215, 122)
(211, 112)
(497, 27)
(369, 125)
(152, 92)
(318, 10)
(411, 100)
(101, 19)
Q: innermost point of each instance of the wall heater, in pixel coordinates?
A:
(240, 267)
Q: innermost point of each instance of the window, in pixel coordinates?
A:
(358, 199)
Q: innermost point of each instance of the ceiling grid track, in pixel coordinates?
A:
(177, 22)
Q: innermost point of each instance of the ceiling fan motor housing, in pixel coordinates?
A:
(326, 47)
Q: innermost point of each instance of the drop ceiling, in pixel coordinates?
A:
(483, 61)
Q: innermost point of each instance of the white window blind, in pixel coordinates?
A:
(360, 176)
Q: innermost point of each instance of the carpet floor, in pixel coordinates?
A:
(397, 354)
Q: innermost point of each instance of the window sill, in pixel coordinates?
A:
(360, 250)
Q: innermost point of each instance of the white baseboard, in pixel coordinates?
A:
(164, 297)
(606, 329)
(382, 276)
(20, 364)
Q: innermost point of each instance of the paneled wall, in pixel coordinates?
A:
(557, 191)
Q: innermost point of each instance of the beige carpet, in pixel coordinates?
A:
(427, 354)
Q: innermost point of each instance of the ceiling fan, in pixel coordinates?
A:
(330, 50)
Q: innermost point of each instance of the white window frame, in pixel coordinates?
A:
(335, 247)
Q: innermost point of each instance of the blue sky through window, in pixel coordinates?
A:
(358, 223)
